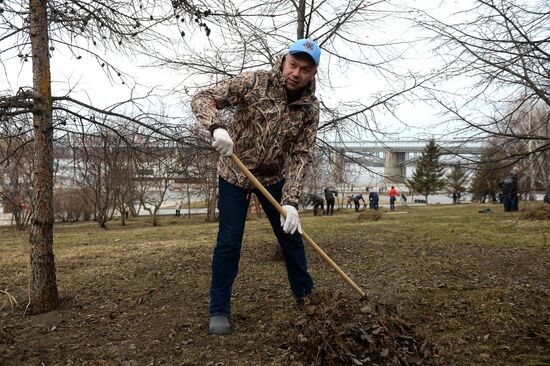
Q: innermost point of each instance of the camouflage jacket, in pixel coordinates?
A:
(273, 138)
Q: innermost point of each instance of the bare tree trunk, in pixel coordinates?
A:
(301, 21)
(43, 286)
(123, 215)
(188, 201)
(212, 204)
(155, 221)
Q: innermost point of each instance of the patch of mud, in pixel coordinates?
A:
(335, 330)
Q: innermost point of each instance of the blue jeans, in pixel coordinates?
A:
(233, 206)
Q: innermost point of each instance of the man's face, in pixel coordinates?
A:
(298, 71)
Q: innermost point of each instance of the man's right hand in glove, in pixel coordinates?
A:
(222, 142)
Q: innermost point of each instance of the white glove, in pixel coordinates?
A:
(292, 221)
(222, 142)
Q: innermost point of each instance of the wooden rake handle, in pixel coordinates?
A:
(310, 241)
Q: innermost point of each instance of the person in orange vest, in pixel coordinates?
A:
(393, 197)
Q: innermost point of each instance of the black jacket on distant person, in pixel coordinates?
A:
(373, 200)
(315, 199)
(358, 198)
(510, 184)
(330, 193)
(510, 192)
(373, 196)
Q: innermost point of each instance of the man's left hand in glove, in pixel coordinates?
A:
(292, 221)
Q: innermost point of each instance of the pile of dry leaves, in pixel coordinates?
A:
(370, 215)
(335, 330)
(539, 212)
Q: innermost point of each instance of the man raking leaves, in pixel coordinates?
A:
(273, 131)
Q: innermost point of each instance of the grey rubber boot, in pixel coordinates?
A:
(219, 324)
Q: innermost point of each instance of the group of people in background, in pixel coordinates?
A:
(354, 200)
(318, 202)
(509, 197)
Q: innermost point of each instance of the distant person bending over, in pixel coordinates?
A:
(393, 197)
(330, 193)
(273, 118)
(356, 200)
(316, 201)
(349, 203)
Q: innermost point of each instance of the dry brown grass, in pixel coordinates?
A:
(475, 285)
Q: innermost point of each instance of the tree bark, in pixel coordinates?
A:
(212, 203)
(43, 285)
(188, 201)
(301, 19)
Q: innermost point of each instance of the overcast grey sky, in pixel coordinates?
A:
(86, 79)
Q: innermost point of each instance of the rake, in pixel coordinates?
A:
(309, 240)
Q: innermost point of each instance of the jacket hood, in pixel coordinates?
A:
(277, 72)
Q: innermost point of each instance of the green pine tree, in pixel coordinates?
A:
(457, 179)
(428, 177)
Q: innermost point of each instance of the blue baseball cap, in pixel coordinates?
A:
(306, 46)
